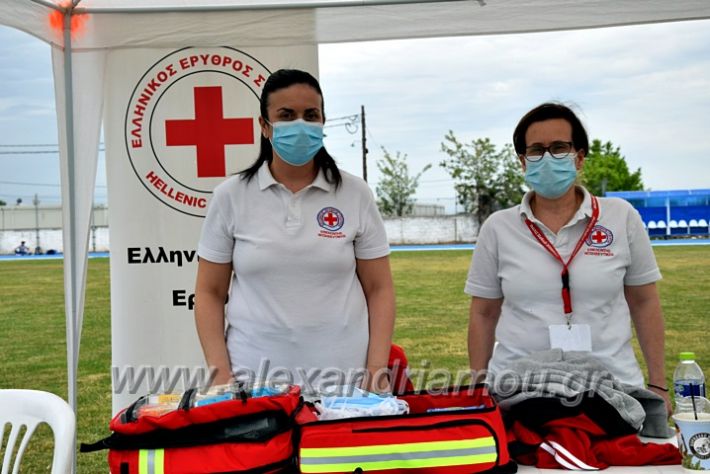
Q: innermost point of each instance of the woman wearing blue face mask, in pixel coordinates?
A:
(304, 249)
(564, 269)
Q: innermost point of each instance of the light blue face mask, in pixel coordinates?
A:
(357, 402)
(551, 177)
(297, 141)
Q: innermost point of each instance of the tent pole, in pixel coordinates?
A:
(72, 330)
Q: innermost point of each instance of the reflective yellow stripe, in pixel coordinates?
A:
(159, 461)
(397, 448)
(151, 461)
(143, 461)
(400, 464)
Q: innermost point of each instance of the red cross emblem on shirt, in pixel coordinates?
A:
(209, 132)
(598, 237)
(330, 219)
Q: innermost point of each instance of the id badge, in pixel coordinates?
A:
(577, 337)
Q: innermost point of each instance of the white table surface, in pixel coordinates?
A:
(621, 469)
(615, 470)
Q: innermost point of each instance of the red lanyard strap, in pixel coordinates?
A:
(540, 237)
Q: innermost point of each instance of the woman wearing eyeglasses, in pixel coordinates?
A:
(564, 269)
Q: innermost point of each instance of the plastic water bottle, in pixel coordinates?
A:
(688, 378)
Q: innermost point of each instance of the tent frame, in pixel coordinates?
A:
(76, 9)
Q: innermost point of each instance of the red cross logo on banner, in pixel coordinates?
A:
(209, 132)
(191, 122)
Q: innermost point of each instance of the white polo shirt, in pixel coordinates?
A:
(295, 298)
(510, 263)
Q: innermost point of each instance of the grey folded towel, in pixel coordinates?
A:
(569, 375)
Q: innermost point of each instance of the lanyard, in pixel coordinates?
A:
(537, 233)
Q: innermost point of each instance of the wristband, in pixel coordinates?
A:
(663, 389)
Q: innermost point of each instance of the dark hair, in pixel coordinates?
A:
(280, 80)
(548, 111)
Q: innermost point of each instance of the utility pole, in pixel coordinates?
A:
(350, 123)
(364, 143)
(35, 201)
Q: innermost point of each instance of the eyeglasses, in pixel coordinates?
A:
(558, 150)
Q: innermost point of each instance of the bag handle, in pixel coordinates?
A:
(185, 400)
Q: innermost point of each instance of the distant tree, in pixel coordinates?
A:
(396, 187)
(605, 169)
(485, 179)
(2, 203)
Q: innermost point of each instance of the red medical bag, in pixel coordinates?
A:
(247, 435)
(454, 431)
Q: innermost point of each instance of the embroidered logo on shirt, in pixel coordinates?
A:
(598, 240)
(600, 237)
(332, 220)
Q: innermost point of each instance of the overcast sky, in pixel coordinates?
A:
(645, 88)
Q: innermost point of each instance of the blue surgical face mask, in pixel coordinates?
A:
(297, 141)
(551, 177)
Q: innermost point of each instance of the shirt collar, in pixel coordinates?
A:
(525, 209)
(266, 179)
(585, 209)
(321, 182)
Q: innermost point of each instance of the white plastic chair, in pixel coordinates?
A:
(30, 408)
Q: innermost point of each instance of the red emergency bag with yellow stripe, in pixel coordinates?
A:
(243, 435)
(455, 431)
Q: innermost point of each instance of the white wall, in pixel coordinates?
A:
(26, 217)
(400, 231)
(49, 239)
(431, 230)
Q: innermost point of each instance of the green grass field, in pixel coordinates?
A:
(432, 315)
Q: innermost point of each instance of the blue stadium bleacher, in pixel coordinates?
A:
(671, 213)
(657, 228)
(699, 227)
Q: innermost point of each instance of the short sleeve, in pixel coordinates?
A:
(217, 238)
(642, 268)
(371, 239)
(483, 280)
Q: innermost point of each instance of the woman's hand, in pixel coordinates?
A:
(645, 308)
(378, 380)
(482, 321)
(376, 280)
(210, 294)
(666, 398)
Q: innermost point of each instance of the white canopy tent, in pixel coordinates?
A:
(82, 32)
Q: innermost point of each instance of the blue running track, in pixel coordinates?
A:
(395, 248)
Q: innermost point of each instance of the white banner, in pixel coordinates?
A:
(177, 122)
